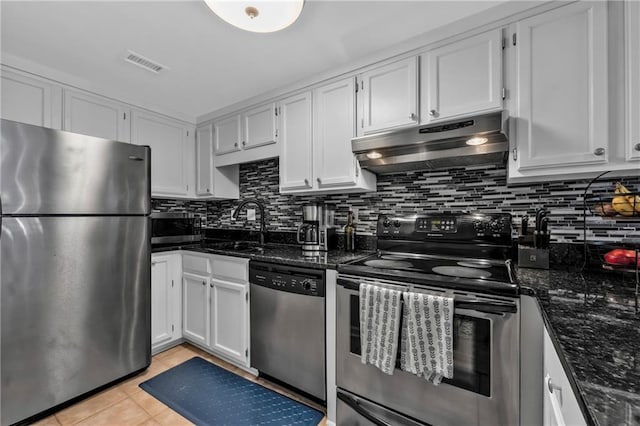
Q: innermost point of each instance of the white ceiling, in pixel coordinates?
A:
(212, 64)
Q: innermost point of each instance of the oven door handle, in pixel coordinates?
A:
(488, 307)
(355, 405)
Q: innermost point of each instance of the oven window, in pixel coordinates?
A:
(471, 349)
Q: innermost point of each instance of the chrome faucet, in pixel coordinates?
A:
(262, 216)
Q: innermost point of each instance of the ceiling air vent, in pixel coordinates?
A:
(143, 62)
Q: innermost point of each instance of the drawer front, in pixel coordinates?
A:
(196, 264)
(230, 268)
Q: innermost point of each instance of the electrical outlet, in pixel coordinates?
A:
(232, 212)
(354, 210)
(251, 214)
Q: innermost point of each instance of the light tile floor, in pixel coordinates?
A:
(127, 404)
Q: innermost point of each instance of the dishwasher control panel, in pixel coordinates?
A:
(305, 281)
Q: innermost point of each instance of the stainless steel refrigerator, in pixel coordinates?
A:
(75, 270)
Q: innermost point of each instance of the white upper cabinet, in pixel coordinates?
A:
(561, 109)
(169, 151)
(334, 164)
(296, 168)
(334, 108)
(228, 135)
(388, 96)
(462, 78)
(96, 116)
(204, 140)
(29, 100)
(259, 126)
(632, 44)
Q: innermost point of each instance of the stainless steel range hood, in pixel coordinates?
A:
(443, 145)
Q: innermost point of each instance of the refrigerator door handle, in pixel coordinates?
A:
(135, 158)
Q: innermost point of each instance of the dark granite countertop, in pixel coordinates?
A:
(276, 253)
(593, 321)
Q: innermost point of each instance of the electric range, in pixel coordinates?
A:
(466, 256)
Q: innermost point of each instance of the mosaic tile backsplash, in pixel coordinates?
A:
(482, 189)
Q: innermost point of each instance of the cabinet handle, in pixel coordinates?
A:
(319, 180)
(433, 113)
(211, 285)
(412, 116)
(244, 143)
(204, 283)
(235, 144)
(598, 151)
(208, 190)
(306, 182)
(552, 386)
(637, 147)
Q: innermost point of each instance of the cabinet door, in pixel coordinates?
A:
(228, 326)
(227, 135)
(195, 303)
(390, 96)
(204, 139)
(333, 127)
(163, 299)
(168, 142)
(462, 78)
(632, 27)
(95, 116)
(259, 126)
(295, 139)
(561, 78)
(30, 101)
(560, 404)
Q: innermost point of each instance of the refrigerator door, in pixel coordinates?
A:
(75, 307)
(47, 171)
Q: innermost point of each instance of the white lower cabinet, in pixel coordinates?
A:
(195, 307)
(216, 305)
(228, 319)
(560, 403)
(165, 300)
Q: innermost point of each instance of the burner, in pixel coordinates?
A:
(461, 271)
(392, 264)
(475, 263)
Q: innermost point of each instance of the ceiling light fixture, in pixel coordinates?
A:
(374, 155)
(477, 141)
(259, 16)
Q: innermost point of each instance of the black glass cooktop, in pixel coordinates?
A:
(469, 268)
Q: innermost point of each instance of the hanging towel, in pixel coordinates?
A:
(379, 326)
(427, 336)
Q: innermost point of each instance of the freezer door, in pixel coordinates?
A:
(75, 299)
(47, 171)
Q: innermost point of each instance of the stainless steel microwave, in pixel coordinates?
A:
(175, 227)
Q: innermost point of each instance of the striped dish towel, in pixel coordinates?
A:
(379, 326)
(427, 336)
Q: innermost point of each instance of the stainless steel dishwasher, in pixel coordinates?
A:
(288, 325)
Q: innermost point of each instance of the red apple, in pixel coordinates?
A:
(621, 257)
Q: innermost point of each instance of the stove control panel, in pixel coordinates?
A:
(492, 227)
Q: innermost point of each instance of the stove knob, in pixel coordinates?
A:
(386, 222)
(496, 226)
(396, 223)
(306, 285)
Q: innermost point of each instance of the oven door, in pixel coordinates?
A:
(485, 387)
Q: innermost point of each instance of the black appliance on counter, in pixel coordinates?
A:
(464, 256)
(175, 228)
